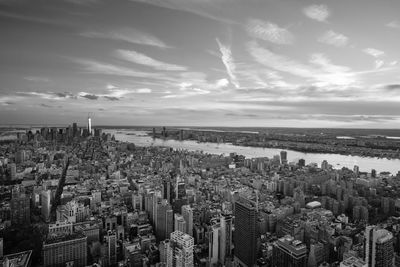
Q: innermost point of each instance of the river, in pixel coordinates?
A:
(140, 138)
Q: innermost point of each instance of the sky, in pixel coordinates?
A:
(239, 63)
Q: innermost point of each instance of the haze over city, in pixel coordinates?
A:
(199, 62)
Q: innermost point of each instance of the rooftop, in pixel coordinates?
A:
(57, 238)
(353, 262)
(21, 259)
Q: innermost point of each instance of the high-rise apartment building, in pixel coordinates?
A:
(180, 250)
(379, 251)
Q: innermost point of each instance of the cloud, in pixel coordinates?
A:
(34, 19)
(333, 38)
(317, 12)
(49, 95)
(222, 83)
(111, 98)
(393, 24)
(322, 71)
(227, 59)
(36, 79)
(88, 96)
(268, 31)
(203, 8)
(143, 91)
(128, 35)
(138, 58)
(392, 87)
(82, 2)
(379, 64)
(109, 69)
(374, 52)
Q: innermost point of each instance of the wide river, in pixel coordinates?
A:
(140, 138)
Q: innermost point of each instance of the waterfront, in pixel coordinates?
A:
(140, 138)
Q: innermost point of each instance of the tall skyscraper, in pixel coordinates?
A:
(111, 242)
(187, 213)
(226, 237)
(246, 232)
(379, 251)
(213, 243)
(46, 205)
(74, 129)
(283, 157)
(89, 126)
(180, 250)
(164, 220)
(289, 252)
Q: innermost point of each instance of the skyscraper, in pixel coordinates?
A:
(226, 237)
(246, 232)
(379, 251)
(180, 224)
(187, 213)
(180, 250)
(164, 220)
(89, 125)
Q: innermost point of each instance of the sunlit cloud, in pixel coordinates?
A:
(317, 12)
(332, 38)
(227, 59)
(374, 52)
(321, 72)
(268, 31)
(379, 64)
(129, 35)
(138, 58)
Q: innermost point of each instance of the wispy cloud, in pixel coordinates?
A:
(268, 31)
(82, 2)
(374, 52)
(48, 95)
(34, 19)
(204, 8)
(227, 59)
(320, 70)
(333, 38)
(142, 59)
(317, 12)
(393, 24)
(36, 79)
(110, 69)
(129, 35)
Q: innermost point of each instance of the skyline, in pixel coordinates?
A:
(201, 63)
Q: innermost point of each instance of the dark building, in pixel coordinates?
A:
(20, 210)
(289, 252)
(246, 233)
